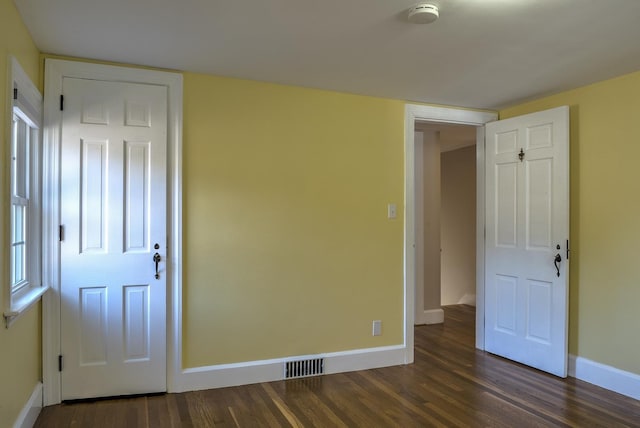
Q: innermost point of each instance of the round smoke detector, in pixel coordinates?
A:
(423, 13)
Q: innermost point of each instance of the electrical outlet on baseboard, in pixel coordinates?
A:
(377, 328)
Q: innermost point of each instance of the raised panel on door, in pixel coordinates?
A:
(93, 195)
(506, 205)
(137, 190)
(136, 322)
(92, 305)
(539, 204)
(539, 299)
(506, 303)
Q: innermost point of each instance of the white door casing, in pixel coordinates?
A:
(527, 227)
(55, 72)
(113, 210)
(415, 114)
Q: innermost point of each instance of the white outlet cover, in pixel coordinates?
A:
(377, 328)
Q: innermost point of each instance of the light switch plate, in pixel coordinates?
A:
(391, 211)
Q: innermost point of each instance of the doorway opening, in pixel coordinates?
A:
(445, 211)
(415, 114)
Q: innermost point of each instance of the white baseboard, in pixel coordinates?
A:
(224, 375)
(29, 414)
(467, 299)
(431, 316)
(611, 378)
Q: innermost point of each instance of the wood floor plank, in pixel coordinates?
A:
(450, 384)
(335, 393)
(282, 407)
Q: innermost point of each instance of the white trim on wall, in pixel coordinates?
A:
(26, 99)
(480, 232)
(32, 408)
(418, 203)
(55, 71)
(602, 375)
(415, 114)
(224, 375)
(431, 316)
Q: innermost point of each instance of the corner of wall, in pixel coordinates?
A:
(431, 316)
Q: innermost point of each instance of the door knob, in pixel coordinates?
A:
(556, 262)
(156, 260)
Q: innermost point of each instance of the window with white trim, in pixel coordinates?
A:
(25, 237)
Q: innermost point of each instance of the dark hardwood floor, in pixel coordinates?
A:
(451, 384)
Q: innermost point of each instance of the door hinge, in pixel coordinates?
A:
(15, 93)
(61, 102)
(59, 363)
(61, 233)
(567, 249)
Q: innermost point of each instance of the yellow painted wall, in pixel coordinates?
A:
(605, 218)
(20, 351)
(287, 247)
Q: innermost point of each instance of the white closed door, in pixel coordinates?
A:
(113, 211)
(527, 238)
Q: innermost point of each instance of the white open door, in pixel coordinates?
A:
(113, 210)
(527, 238)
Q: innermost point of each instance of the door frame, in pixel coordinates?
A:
(420, 113)
(55, 71)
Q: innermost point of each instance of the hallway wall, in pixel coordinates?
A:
(458, 226)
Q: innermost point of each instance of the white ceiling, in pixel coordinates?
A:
(480, 53)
